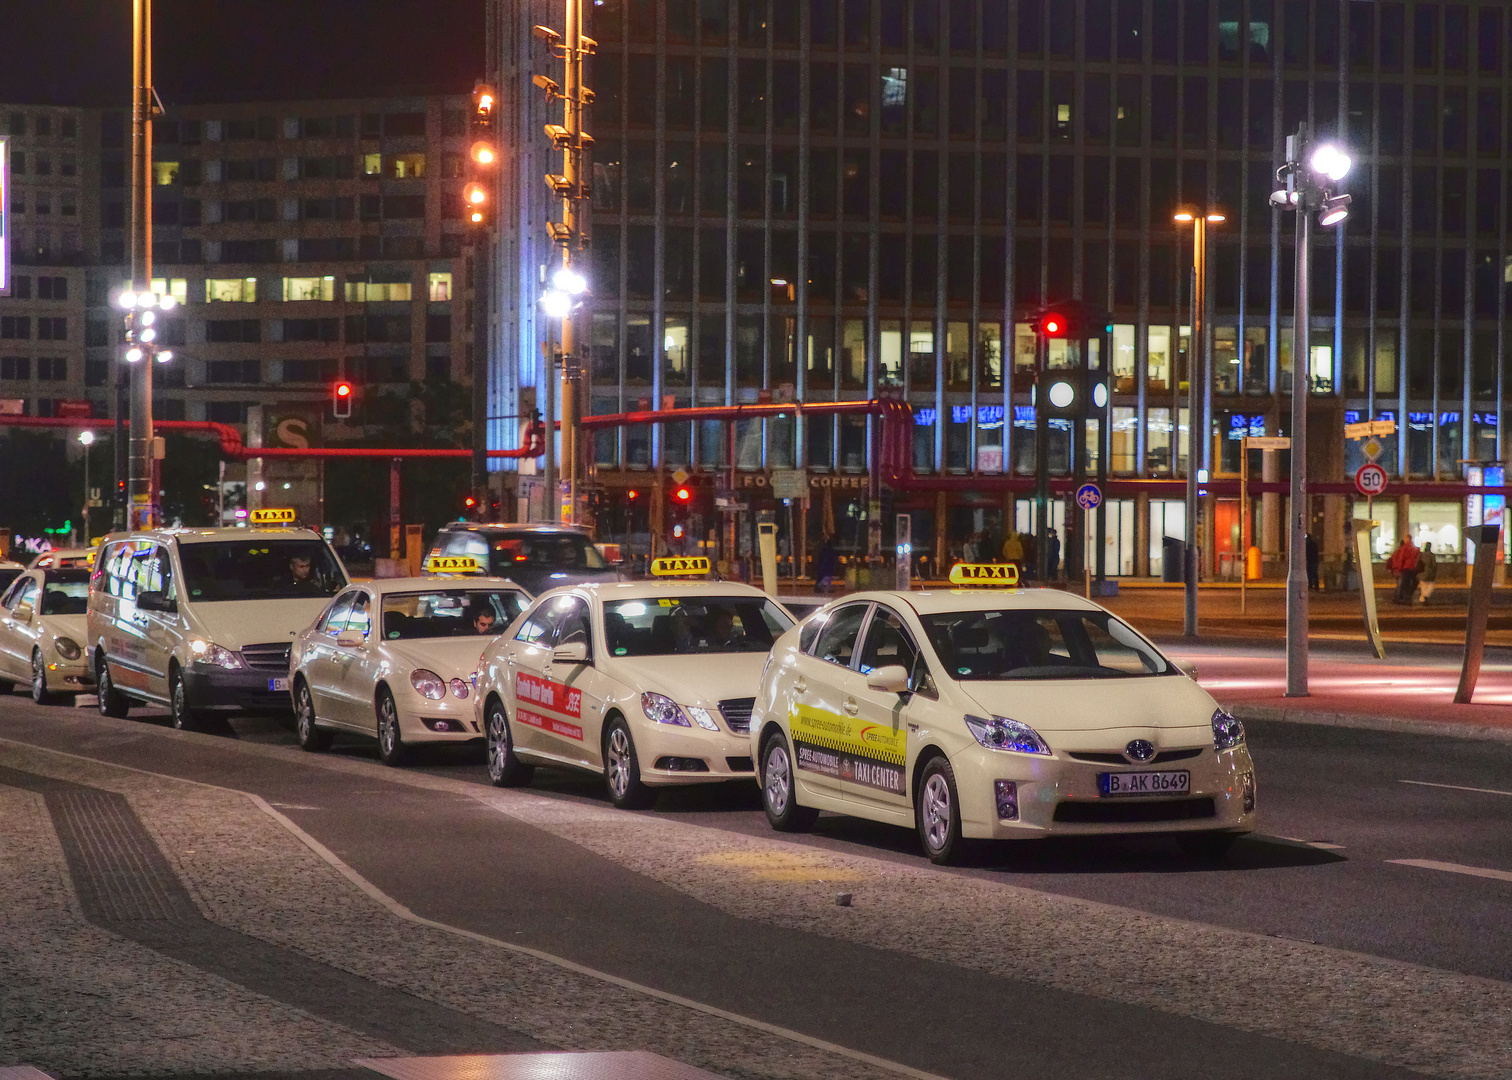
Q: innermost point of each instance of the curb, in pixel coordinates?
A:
(1401, 725)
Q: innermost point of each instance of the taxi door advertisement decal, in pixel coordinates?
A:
(551, 695)
(853, 750)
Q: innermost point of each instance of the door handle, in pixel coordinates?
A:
(800, 685)
(850, 706)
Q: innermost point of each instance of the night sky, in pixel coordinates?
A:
(78, 52)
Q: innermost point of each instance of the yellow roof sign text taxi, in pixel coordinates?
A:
(453, 564)
(680, 566)
(994, 575)
(277, 516)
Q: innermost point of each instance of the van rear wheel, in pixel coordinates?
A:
(112, 702)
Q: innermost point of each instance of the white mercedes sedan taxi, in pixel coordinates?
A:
(994, 714)
(393, 659)
(647, 683)
(42, 634)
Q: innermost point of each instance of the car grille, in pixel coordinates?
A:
(274, 657)
(1119, 759)
(737, 713)
(1109, 812)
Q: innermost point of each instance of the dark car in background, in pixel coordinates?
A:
(538, 557)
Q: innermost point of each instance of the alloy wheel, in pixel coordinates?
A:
(619, 762)
(936, 811)
(779, 781)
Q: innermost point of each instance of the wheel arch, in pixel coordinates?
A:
(927, 753)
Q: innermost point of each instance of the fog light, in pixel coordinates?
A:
(1247, 782)
(442, 725)
(1007, 799)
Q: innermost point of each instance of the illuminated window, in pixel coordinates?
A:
(372, 292)
(178, 287)
(165, 173)
(310, 288)
(231, 290)
(372, 164)
(409, 166)
(441, 285)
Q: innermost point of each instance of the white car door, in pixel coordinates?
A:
(823, 680)
(878, 775)
(351, 702)
(548, 699)
(318, 662)
(15, 612)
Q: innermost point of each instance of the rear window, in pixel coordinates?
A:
(561, 551)
(65, 592)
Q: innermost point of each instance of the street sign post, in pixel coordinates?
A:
(1370, 480)
(1089, 497)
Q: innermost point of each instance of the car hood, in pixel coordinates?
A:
(450, 657)
(693, 680)
(235, 623)
(1084, 713)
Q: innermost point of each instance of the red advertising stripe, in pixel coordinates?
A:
(546, 723)
(550, 695)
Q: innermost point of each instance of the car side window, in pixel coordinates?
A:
(836, 643)
(358, 619)
(336, 614)
(26, 599)
(8, 600)
(540, 627)
(887, 642)
(572, 622)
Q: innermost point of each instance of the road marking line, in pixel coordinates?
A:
(1321, 845)
(1455, 868)
(1456, 787)
(405, 913)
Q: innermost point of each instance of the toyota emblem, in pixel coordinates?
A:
(1140, 750)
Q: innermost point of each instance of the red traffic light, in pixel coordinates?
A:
(469, 502)
(682, 494)
(1053, 325)
(632, 494)
(341, 399)
(343, 389)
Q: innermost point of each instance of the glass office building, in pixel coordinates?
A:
(829, 199)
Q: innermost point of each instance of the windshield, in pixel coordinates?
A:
(547, 551)
(668, 626)
(449, 613)
(65, 592)
(257, 569)
(1030, 644)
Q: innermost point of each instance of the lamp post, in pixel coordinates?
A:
(1196, 422)
(86, 438)
(141, 493)
(1311, 174)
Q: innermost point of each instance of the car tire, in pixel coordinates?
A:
(1206, 846)
(779, 789)
(937, 812)
(112, 702)
(311, 738)
(184, 717)
(622, 769)
(39, 691)
(504, 768)
(391, 748)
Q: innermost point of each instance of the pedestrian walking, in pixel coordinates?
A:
(1013, 548)
(826, 565)
(1312, 561)
(1052, 555)
(1404, 564)
(1427, 572)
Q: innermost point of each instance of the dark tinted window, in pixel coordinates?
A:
(666, 626)
(1049, 644)
(260, 569)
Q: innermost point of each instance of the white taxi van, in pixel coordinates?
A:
(203, 619)
(990, 713)
(393, 660)
(649, 684)
(42, 634)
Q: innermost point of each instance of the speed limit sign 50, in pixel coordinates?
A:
(1371, 479)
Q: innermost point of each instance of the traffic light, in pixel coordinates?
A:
(341, 400)
(482, 159)
(1072, 393)
(1054, 324)
(682, 495)
(477, 208)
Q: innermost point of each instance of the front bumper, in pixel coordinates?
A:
(65, 677)
(208, 687)
(451, 719)
(1058, 796)
(670, 754)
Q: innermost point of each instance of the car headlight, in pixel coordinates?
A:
(1001, 733)
(663, 710)
(68, 648)
(428, 684)
(213, 655)
(459, 688)
(1228, 731)
(702, 718)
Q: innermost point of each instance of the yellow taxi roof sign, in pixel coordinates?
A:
(681, 566)
(985, 575)
(453, 564)
(272, 516)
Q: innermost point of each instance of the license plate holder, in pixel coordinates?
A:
(277, 685)
(1125, 784)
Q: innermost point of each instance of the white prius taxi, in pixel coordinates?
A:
(994, 713)
(393, 660)
(647, 683)
(42, 633)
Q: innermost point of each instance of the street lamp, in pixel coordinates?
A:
(1311, 175)
(1196, 424)
(568, 288)
(87, 438)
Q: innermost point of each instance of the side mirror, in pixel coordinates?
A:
(573, 652)
(155, 601)
(889, 679)
(350, 638)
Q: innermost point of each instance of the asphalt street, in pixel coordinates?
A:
(1376, 843)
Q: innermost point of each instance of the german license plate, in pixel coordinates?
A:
(1176, 782)
(278, 684)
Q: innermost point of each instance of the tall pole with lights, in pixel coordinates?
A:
(479, 197)
(1197, 425)
(564, 300)
(141, 499)
(86, 439)
(1311, 174)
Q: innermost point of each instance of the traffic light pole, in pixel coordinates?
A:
(1041, 463)
(1296, 573)
(482, 307)
(141, 498)
(1196, 427)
